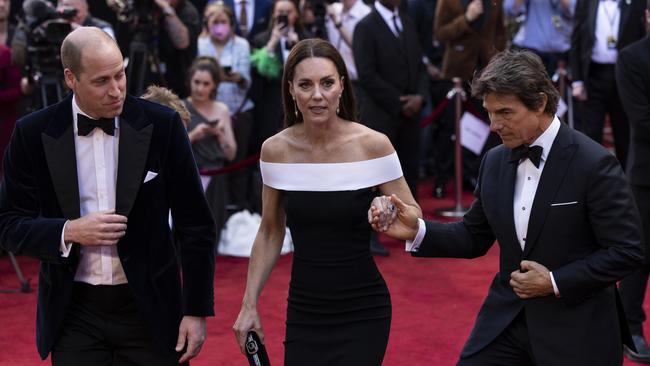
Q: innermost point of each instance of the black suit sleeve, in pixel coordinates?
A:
(632, 81)
(470, 238)
(575, 52)
(366, 57)
(23, 230)
(193, 223)
(615, 222)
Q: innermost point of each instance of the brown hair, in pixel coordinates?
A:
(209, 64)
(315, 47)
(166, 97)
(518, 73)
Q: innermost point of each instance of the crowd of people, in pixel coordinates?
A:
(330, 94)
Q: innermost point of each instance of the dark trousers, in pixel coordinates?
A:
(602, 98)
(510, 348)
(633, 287)
(103, 328)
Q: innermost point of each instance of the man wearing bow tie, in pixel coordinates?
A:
(566, 223)
(88, 186)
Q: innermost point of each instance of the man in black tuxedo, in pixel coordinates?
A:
(567, 226)
(601, 30)
(633, 80)
(88, 186)
(393, 80)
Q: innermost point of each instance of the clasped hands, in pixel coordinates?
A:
(391, 216)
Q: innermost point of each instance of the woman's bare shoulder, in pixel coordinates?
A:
(374, 144)
(276, 149)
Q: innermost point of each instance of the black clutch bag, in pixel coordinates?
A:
(255, 351)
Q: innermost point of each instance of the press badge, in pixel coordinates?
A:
(611, 42)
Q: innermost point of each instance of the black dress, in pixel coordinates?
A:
(339, 308)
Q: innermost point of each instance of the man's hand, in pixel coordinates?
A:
(532, 280)
(191, 332)
(579, 92)
(97, 228)
(474, 10)
(412, 104)
(405, 227)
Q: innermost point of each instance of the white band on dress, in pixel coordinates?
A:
(328, 177)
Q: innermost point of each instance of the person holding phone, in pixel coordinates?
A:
(271, 50)
(210, 132)
(233, 54)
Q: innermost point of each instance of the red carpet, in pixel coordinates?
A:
(435, 302)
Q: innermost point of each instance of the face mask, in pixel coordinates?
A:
(220, 31)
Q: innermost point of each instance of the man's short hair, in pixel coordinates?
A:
(518, 73)
(72, 50)
(166, 97)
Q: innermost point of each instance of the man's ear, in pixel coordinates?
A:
(542, 107)
(70, 79)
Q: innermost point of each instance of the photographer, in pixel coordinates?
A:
(83, 16)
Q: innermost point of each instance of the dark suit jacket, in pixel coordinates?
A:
(260, 18)
(588, 246)
(388, 67)
(631, 29)
(633, 81)
(467, 48)
(40, 192)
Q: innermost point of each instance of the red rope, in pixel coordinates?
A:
(227, 169)
(435, 113)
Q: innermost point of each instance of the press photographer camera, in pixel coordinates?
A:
(36, 46)
(160, 40)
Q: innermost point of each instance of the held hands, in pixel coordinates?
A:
(532, 280)
(384, 209)
(191, 332)
(403, 227)
(247, 320)
(97, 228)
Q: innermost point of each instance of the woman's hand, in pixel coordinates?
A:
(276, 34)
(199, 132)
(247, 320)
(405, 227)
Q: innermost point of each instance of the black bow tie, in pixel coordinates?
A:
(523, 152)
(86, 124)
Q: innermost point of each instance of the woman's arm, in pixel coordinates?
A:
(225, 135)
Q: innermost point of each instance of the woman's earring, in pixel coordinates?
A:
(295, 105)
(338, 107)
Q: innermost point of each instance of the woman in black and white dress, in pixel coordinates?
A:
(320, 175)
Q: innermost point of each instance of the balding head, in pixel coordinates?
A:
(78, 41)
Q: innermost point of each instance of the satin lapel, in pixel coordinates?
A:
(625, 14)
(135, 137)
(552, 177)
(507, 192)
(58, 144)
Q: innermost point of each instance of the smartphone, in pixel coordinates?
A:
(284, 20)
(226, 69)
(213, 123)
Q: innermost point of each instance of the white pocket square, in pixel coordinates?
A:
(564, 203)
(150, 176)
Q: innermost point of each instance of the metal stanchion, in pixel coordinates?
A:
(458, 210)
(24, 284)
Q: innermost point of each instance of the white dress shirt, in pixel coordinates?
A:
(526, 183)
(388, 15)
(250, 12)
(348, 21)
(97, 177)
(607, 24)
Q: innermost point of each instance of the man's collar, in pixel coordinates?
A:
(385, 12)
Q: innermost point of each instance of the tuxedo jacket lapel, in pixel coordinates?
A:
(135, 137)
(507, 183)
(58, 144)
(555, 168)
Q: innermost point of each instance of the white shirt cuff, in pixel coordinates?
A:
(555, 289)
(414, 245)
(63, 247)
